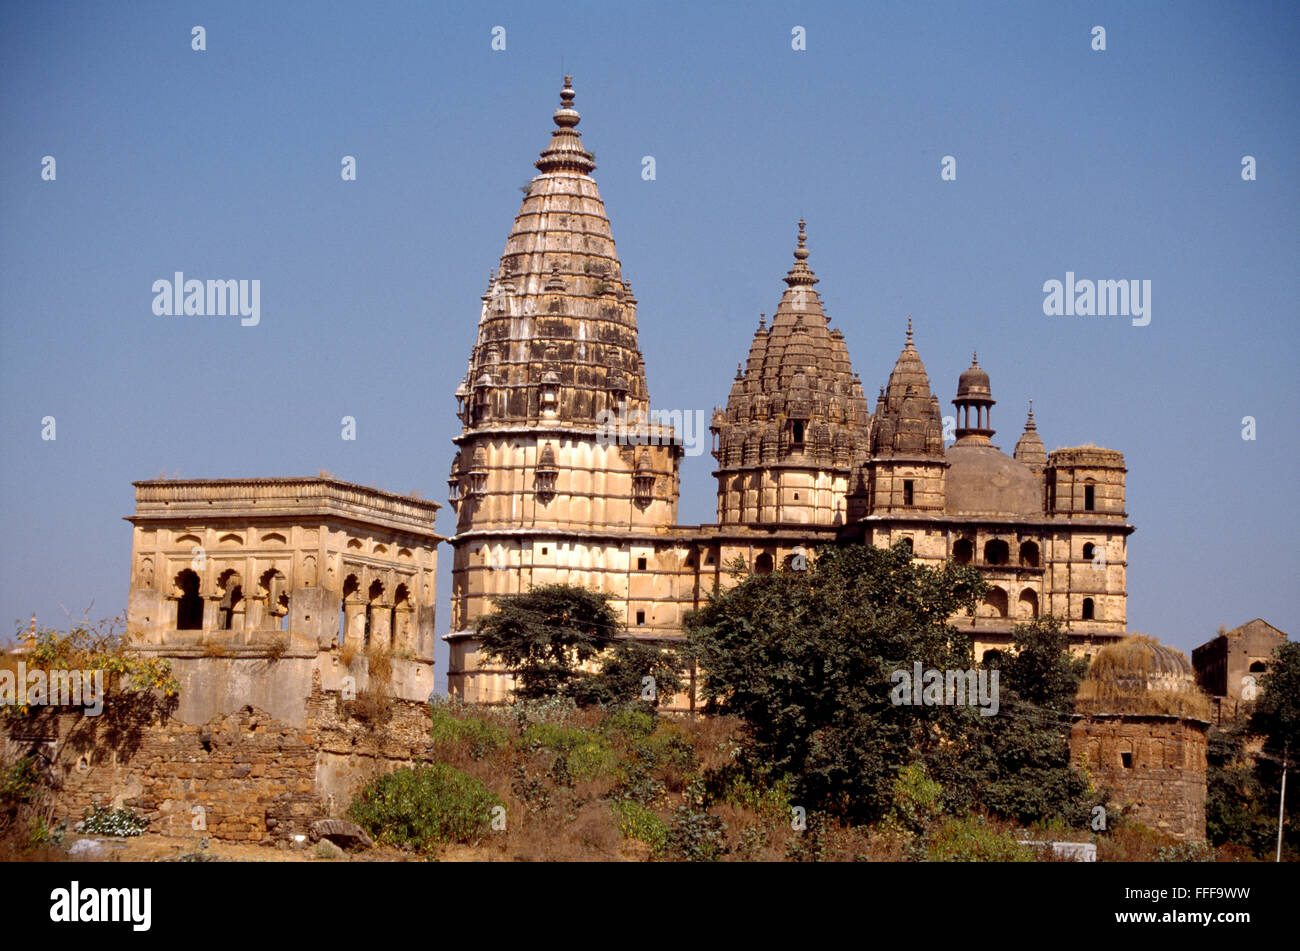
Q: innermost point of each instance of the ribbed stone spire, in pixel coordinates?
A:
(908, 419)
(557, 338)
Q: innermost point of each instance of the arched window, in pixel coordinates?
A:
(996, 552)
(963, 550)
(400, 628)
(1089, 551)
(189, 608)
(1029, 554)
(1089, 496)
(376, 592)
(1028, 606)
(798, 433)
(1089, 610)
(349, 607)
(906, 542)
(231, 607)
(995, 603)
(763, 564)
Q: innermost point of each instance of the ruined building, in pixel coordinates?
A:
(1230, 666)
(316, 575)
(1140, 730)
(543, 495)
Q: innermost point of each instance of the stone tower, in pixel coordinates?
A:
(796, 420)
(545, 488)
(906, 471)
(1140, 728)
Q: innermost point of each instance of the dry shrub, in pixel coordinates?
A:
(1123, 678)
(214, 648)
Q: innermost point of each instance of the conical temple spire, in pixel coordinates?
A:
(1030, 449)
(565, 151)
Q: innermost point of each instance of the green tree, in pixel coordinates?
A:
(1017, 762)
(623, 673)
(806, 657)
(543, 636)
(1276, 718)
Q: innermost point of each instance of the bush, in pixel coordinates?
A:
(19, 782)
(918, 800)
(101, 820)
(586, 755)
(480, 736)
(639, 822)
(972, 840)
(696, 835)
(425, 807)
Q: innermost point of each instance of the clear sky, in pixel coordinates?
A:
(225, 163)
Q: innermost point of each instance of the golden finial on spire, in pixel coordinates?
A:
(974, 358)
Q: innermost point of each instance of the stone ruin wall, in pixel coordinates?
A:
(257, 779)
(1164, 785)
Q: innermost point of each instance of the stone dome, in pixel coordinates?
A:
(985, 481)
(1141, 675)
(974, 382)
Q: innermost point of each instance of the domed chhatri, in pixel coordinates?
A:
(1139, 675)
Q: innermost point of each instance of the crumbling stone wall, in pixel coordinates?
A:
(243, 776)
(1155, 765)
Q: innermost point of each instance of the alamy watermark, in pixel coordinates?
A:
(950, 688)
(38, 688)
(1087, 298)
(658, 427)
(179, 297)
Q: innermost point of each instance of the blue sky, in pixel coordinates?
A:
(1122, 164)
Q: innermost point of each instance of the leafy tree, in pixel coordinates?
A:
(1277, 719)
(623, 673)
(805, 657)
(1236, 803)
(1277, 712)
(543, 636)
(1017, 763)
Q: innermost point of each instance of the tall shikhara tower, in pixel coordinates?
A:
(542, 494)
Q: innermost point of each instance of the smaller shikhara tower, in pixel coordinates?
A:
(542, 492)
(796, 421)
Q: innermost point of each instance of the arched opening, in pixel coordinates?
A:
(906, 544)
(797, 433)
(274, 588)
(963, 551)
(1258, 667)
(995, 603)
(230, 612)
(189, 607)
(349, 607)
(375, 592)
(1028, 606)
(1029, 554)
(996, 552)
(1089, 497)
(401, 623)
(1089, 609)
(763, 564)
(1089, 551)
